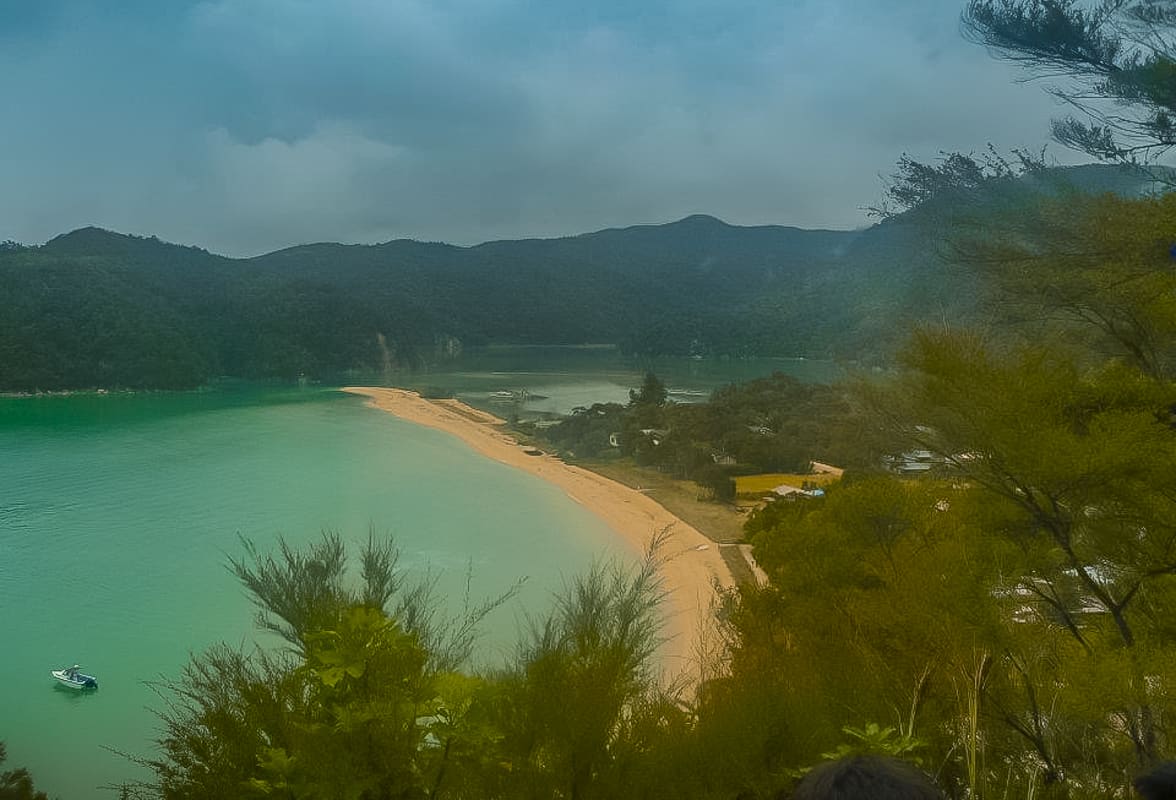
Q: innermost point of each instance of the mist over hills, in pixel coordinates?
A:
(94, 308)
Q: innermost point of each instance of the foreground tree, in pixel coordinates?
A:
(1013, 617)
(1053, 430)
(367, 700)
(17, 784)
(1056, 258)
(580, 698)
(1078, 467)
(334, 715)
(1122, 51)
(1016, 609)
(1091, 272)
(955, 180)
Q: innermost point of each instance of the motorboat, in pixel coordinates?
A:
(74, 678)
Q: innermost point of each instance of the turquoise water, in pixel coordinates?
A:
(117, 514)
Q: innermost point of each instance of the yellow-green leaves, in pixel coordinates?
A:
(875, 739)
(362, 635)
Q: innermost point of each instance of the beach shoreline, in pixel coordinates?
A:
(692, 566)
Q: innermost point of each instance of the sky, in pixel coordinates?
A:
(244, 126)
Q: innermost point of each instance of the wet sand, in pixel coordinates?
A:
(691, 564)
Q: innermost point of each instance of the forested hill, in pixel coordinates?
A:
(94, 308)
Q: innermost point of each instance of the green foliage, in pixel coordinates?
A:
(652, 393)
(873, 739)
(366, 703)
(1010, 614)
(352, 709)
(587, 432)
(17, 784)
(1056, 260)
(957, 178)
(1118, 50)
(774, 424)
(1099, 266)
(582, 682)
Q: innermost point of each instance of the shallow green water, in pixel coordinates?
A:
(117, 514)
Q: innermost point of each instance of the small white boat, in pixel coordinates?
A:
(75, 678)
(503, 396)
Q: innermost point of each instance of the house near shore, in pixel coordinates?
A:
(921, 462)
(914, 462)
(793, 493)
(653, 435)
(1030, 589)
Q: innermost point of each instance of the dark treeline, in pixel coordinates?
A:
(94, 309)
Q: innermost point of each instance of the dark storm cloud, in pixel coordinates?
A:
(245, 125)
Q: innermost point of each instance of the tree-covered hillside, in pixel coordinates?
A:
(98, 309)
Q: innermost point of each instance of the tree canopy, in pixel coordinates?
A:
(1121, 51)
(368, 699)
(17, 784)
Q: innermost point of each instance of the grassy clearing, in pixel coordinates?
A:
(716, 521)
(719, 522)
(766, 482)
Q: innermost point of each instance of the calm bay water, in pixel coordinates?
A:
(117, 515)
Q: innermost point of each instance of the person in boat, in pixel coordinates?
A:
(72, 672)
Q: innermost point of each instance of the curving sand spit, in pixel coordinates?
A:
(692, 563)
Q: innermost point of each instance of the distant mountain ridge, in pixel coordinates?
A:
(92, 308)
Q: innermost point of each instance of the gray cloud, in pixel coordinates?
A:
(247, 125)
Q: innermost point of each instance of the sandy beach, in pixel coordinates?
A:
(692, 566)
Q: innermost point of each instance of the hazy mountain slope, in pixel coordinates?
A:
(95, 308)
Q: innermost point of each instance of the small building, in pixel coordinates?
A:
(793, 493)
(914, 462)
(655, 435)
